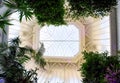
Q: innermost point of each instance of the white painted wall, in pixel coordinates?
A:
(98, 35)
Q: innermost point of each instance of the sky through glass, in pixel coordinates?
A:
(60, 40)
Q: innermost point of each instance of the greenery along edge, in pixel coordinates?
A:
(93, 8)
(54, 11)
(46, 12)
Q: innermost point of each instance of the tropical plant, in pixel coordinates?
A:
(53, 12)
(11, 58)
(38, 57)
(20, 6)
(46, 12)
(94, 68)
(4, 19)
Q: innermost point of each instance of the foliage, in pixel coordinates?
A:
(4, 19)
(94, 8)
(53, 11)
(20, 6)
(38, 57)
(93, 69)
(18, 53)
(95, 65)
(11, 59)
(113, 74)
(113, 70)
(48, 12)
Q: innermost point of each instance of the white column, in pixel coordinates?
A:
(36, 31)
(118, 24)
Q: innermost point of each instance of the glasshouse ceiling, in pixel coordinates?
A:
(29, 32)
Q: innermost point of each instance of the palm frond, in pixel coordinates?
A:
(4, 19)
(30, 75)
(23, 59)
(7, 13)
(11, 59)
(38, 56)
(15, 42)
(3, 23)
(39, 60)
(19, 53)
(10, 3)
(21, 7)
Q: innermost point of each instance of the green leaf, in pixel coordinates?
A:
(94, 8)
(4, 20)
(11, 63)
(20, 6)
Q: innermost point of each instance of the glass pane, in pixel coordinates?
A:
(60, 40)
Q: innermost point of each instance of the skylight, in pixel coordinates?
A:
(60, 40)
